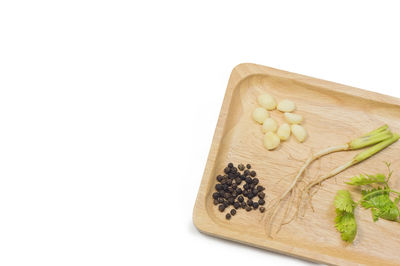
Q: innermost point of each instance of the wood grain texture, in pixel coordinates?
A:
(334, 114)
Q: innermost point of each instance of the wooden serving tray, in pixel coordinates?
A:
(334, 114)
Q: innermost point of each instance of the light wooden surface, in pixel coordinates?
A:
(334, 114)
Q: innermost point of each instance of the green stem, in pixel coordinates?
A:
(357, 159)
(370, 139)
(379, 129)
(390, 172)
(374, 149)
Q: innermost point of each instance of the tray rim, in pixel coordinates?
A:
(200, 217)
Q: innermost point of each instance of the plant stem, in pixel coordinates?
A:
(379, 129)
(390, 172)
(370, 139)
(310, 160)
(329, 175)
(357, 159)
(374, 149)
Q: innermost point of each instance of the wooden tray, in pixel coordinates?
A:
(334, 114)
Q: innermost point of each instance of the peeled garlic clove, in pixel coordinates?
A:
(284, 131)
(260, 114)
(286, 106)
(266, 101)
(269, 124)
(271, 140)
(293, 118)
(299, 132)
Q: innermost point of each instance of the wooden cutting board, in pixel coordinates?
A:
(334, 114)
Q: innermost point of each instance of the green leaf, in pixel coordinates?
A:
(345, 221)
(381, 205)
(365, 180)
(346, 224)
(344, 202)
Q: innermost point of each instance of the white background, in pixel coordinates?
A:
(108, 108)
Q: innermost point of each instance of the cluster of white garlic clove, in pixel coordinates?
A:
(275, 133)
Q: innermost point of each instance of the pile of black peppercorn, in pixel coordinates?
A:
(249, 196)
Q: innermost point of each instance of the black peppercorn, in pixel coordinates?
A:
(249, 202)
(226, 170)
(248, 166)
(240, 199)
(239, 191)
(230, 189)
(255, 181)
(215, 195)
(248, 180)
(236, 205)
(215, 202)
(234, 194)
(234, 186)
(243, 177)
(248, 208)
(261, 195)
(238, 180)
(250, 195)
(226, 204)
(231, 200)
(230, 165)
(243, 205)
(254, 191)
(255, 205)
(219, 178)
(246, 172)
(253, 173)
(221, 208)
(261, 201)
(229, 182)
(246, 186)
(260, 188)
(233, 212)
(241, 167)
(228, 216)
(219, 187)
(220, 200)
(234, 170)
(262, 209)
(245, 193)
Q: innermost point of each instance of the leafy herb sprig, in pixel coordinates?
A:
(376, 195)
